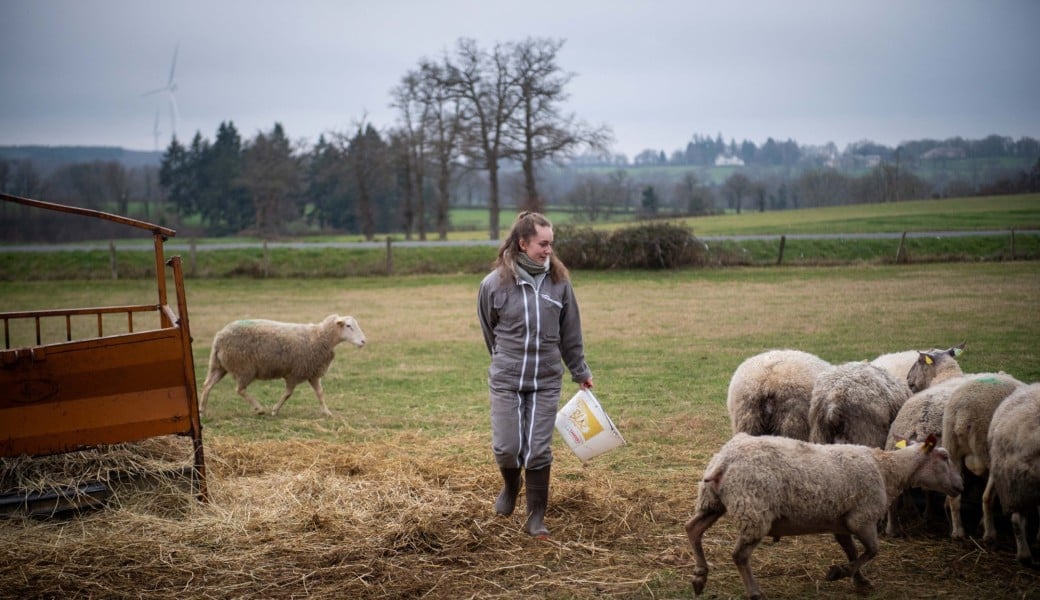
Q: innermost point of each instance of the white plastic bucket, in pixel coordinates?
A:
(586, 427)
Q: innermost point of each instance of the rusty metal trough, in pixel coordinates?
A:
(82, 393)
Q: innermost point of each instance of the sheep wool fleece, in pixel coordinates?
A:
(532, 328)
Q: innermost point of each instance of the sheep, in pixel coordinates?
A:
(777, 486)
(899, 363)
(855, 403)
(919, 417)
(1014, 449)
(933, 367)
(965, 426)
(769, 393)
(263, 349)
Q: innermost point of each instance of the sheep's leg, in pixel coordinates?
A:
(891, 528)
(957, 525)
(214, 376)
(318, 391)
(989, 527)
(695, 529)
(849, 547)
(867, 535)
(746, 544)
(242, 385)
(289, 387)
(1019, 522)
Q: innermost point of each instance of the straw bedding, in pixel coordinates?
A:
(408, 518)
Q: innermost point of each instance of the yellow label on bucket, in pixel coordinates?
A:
(585, 421)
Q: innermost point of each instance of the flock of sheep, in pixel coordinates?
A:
(817, 448)
(822, 448)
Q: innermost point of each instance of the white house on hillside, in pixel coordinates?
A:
(724, 160)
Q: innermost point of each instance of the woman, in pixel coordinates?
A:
(532, 328)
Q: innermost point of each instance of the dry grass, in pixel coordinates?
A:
(402, 519)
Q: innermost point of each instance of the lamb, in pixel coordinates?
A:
(855, 403)
(1014, 448)
(934, 367)
(263, 349)
(777, 486)
(899, 363)
(769, 393)
(965, 426)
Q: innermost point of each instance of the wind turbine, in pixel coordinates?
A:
(169, 88)
(155, 130)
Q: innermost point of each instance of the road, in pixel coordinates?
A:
(179, 246)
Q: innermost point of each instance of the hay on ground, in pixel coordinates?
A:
(391, 520)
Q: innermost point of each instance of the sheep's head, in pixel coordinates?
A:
(935, 471)
(928, 364)
(350, 331)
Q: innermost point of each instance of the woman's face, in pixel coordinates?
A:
(539, 246)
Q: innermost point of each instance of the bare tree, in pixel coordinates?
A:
(737, 186)
(444, 122)
(691, 196)
(414, 109)
(539, 131)
(483, 82)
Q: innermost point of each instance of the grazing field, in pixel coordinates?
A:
(392, 497)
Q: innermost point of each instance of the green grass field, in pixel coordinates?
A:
(1006, 214)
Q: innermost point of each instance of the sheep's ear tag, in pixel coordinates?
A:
(958, 351)
(901, 444)
(928, 359)
(929, 443)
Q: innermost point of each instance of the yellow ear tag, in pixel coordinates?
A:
(901, 444)
(928, 360)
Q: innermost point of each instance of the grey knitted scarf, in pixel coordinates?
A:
(528, 264)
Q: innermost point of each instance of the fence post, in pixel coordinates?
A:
(112, 259)
(389, 257)
(780, 256)
(267, 260)
(1012, 243)
(191, 269)
(901, 254)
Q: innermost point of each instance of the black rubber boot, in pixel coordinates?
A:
(537, 501)
(506, 501)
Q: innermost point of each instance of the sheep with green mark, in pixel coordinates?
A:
(261, 349)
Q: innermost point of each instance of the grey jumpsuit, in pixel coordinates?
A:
(532, 327)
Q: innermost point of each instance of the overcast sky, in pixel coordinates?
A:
(73, 72)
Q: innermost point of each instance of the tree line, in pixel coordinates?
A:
(486, 127)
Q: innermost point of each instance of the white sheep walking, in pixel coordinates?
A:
(1014, 448)
(778, 486)
(262, 349)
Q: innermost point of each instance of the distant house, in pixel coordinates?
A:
(944, 152)
(725, 160)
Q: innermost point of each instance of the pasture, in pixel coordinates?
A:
(392, 497)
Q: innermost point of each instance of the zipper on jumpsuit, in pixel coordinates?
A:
(537, 357)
